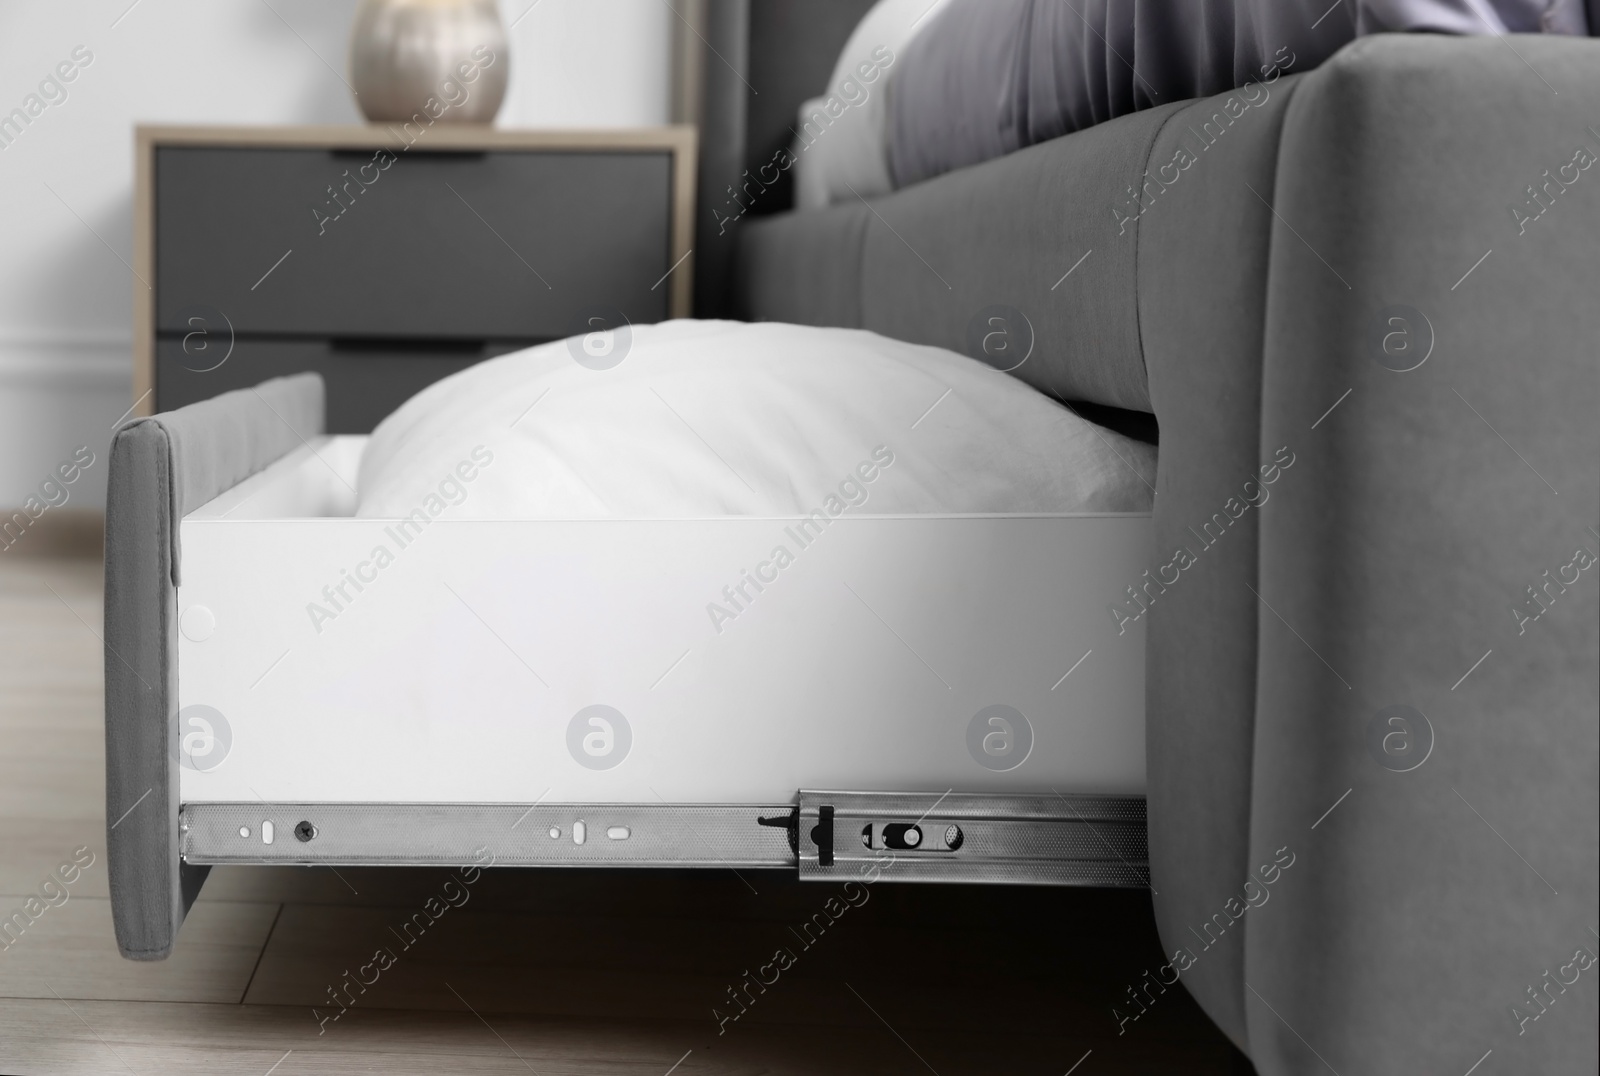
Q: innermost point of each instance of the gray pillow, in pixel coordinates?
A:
(987, 77)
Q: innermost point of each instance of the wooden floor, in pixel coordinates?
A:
(544, 972)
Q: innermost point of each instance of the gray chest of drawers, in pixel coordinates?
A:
(386, 266)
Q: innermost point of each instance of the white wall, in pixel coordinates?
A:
(65, 285)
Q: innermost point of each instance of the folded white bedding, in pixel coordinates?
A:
(708, 418)
(841, 146)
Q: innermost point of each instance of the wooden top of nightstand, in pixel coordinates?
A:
(458, 136)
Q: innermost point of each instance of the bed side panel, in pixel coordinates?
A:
(1435, 552)
(1047, 233)
(803, 268)
(1204, 240)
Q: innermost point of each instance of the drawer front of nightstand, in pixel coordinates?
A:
(364, 383)
(514, 244)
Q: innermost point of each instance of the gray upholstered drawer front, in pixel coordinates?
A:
(494, 244)
(364, 382)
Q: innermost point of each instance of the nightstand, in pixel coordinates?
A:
(384, 265)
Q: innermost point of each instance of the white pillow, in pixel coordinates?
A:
(842, 135)
(713, 418)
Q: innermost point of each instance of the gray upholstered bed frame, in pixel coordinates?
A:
(1372, 699)
(1387, 674)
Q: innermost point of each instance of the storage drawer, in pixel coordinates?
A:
(364, 383)
(497, 244)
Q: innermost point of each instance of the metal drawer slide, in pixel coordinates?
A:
(973, 837)
(1091, 840)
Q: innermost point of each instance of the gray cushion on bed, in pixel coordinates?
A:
(162, 468)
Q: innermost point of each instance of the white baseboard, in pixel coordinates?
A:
(95, 361)
(59, 391)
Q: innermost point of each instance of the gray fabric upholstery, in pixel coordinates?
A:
(1399, 552)
(929, 260)
(1388, 556)
(1203, 281)
(141, 659)
(162, 468)
(805, 268)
